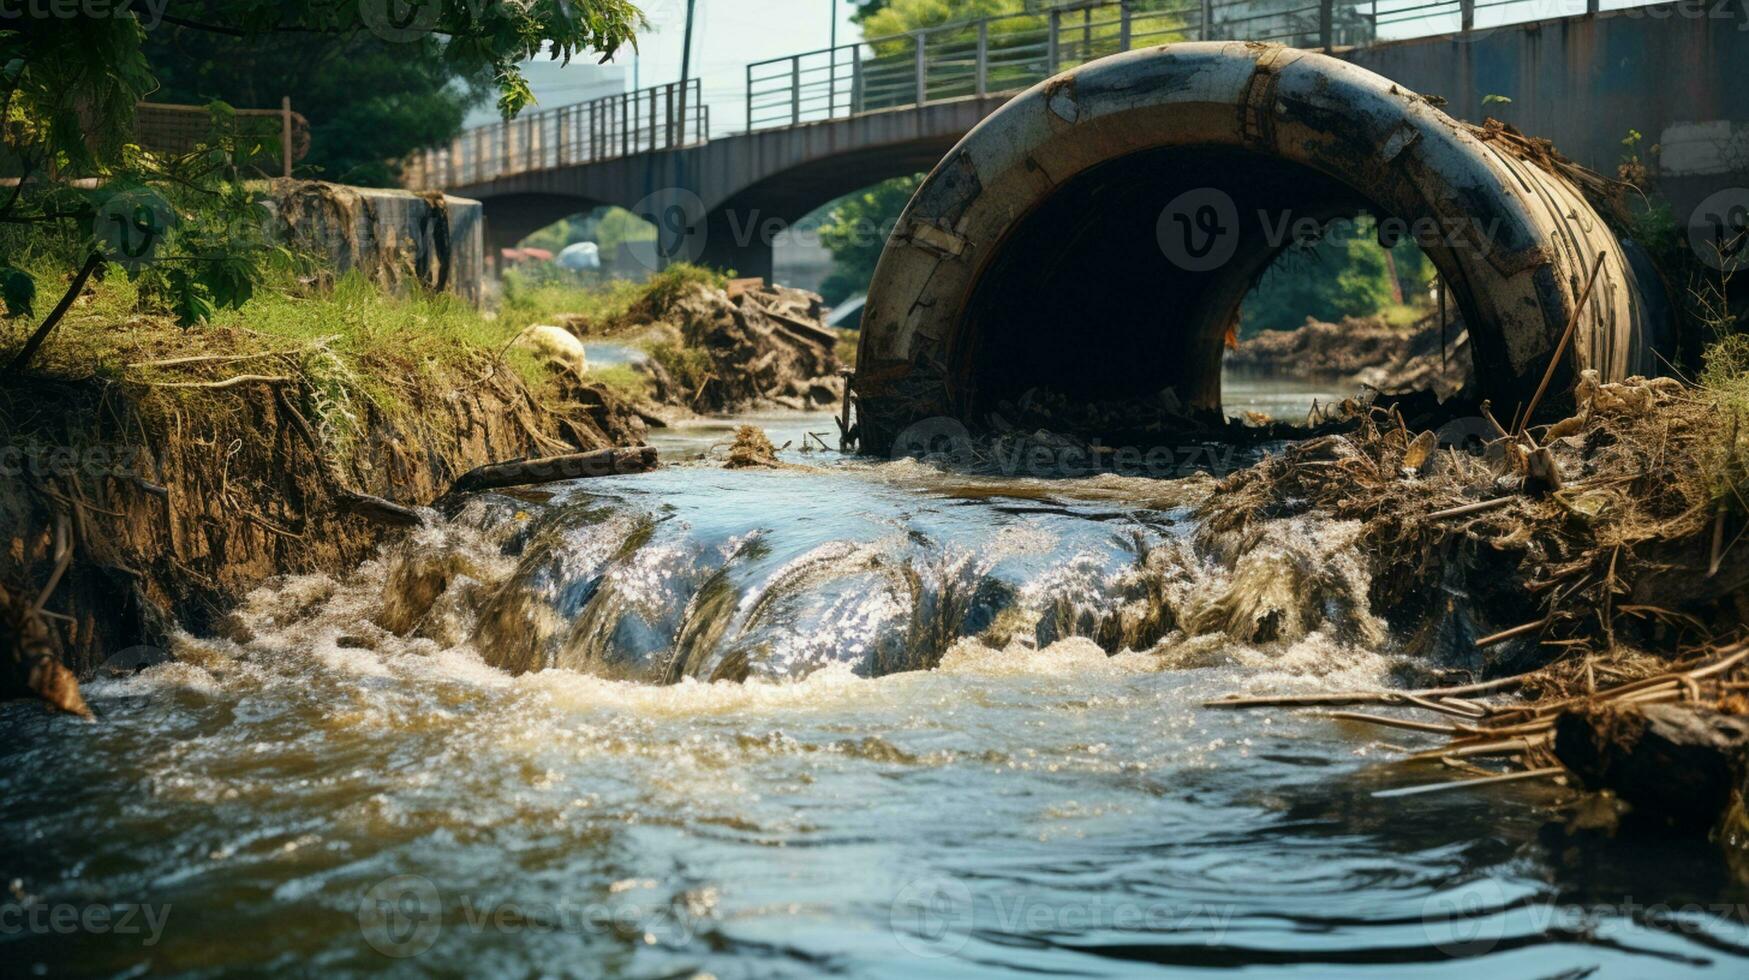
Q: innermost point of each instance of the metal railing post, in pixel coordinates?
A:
(1326, 35)
(921, 68)
(625, 125)
(1052, 54)
(653, 119)
(1123, 26)
(672, 134)
(856, 83)
(1592, 7)
(795, 90)
(983, 58)
(1467, 15)
(749, 98)
(1208, 18)
(832, 84)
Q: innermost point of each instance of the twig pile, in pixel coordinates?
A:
(1479, 726)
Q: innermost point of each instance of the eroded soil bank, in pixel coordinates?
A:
(191, 478)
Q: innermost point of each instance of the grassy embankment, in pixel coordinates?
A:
(350, 343)
(615, 309)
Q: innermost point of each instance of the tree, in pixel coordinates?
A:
(185, 224)
(856, 226)
(369, 101)
(1343, 274)
(901, 16)
(855, 232)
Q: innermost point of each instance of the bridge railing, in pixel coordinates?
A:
(657, 118)
(1002, 55)
(993, 56)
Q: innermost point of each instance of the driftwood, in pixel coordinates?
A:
(376, 509)
(551, 469)
(1677, 762)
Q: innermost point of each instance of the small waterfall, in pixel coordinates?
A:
(717, 575)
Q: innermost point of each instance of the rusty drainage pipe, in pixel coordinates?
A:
(1097, 234)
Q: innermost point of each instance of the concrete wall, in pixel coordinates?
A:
(1677, 73)
(396, 238)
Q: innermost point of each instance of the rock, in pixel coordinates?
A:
(1676, 763)
(557, 345)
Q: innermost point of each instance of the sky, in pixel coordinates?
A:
(727, 36)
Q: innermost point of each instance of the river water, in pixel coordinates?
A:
(862, 718)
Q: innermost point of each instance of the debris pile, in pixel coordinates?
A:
(1578, 589)
(744, 347)
(1596, 531)
(1424, 356)
(752, 448)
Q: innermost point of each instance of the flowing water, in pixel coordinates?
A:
(862, 718)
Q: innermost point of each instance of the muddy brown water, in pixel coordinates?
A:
(931, 769)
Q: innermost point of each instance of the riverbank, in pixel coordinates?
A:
(1551, 585)
(1424, 355)
(166, 472)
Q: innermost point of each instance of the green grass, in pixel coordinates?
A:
(605, 308)
(622, 378)
(690, 367)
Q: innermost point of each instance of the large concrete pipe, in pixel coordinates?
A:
(1097, 234)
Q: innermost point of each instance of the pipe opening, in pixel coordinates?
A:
(1126, 281)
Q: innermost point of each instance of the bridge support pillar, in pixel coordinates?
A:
(735, 242)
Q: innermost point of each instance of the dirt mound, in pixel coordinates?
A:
(743, 348)
(1363, 351)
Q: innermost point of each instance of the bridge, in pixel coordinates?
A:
(821, 124)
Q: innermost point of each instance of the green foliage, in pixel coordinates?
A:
(608, 227)
(690, 367)
(539, 295)
(183, 225)
(899, 16)
(669, 285)
(856, 230)
(369, 102)
(1345, 273)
